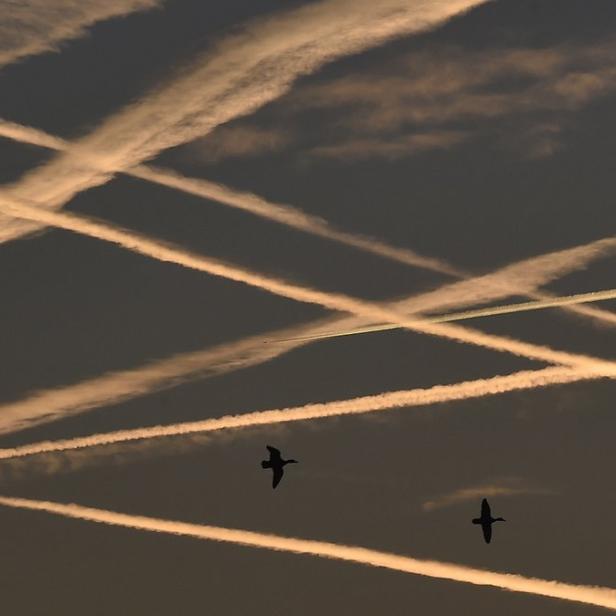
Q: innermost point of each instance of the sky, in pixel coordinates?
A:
(191, 192)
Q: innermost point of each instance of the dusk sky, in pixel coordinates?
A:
(194, 192)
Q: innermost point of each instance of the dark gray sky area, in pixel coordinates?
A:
(188, 185)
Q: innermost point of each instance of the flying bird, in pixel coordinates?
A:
(276, 463)
(486, 520)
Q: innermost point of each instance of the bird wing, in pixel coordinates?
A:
(485, 509)
(278, 473)
(487, 532)
(274, 453)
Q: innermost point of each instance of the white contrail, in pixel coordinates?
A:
(276, 286)
(566, 300)
(244, 72)
(114, 387)
(31, 27)
(521, 278)
(590, 595)
(527, 379)
(50, 405)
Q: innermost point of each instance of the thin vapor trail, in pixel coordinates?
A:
(527, 379)
(567, 300)
(590, 595)
(114, 387)
(243, 72)
(332, 301)
(537, 271)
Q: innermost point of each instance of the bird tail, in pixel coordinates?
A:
(266, 464)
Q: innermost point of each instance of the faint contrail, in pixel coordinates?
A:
(506, 487)
(31, 27)
(332, 301)
(243, 72)
(527, 379)
(567, 300)
(590, 595)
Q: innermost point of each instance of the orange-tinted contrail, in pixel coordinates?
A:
(31, 28)
(519, 279)
(238, 75)
(590, 595)
(114, 387)
(527, 379)
(277, 212)
(332, 301)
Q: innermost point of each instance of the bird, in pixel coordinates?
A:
(486, 520)
(276, 463)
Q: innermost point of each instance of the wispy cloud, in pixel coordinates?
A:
(591, 595)
(528, 379)
(502, 487)
(241, 74)
(456, 90)
(31, 27)
(236, 141)
(390, 148)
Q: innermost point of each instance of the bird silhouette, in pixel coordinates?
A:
(277, 464)
(486, 520)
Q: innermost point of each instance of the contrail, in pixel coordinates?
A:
(590, 595)
(332, 301)
(243, 72)
(527, 379)
(519, 278)
(31, 27)
(114, 387)
(499, 488)
(280, 213)
(566, 300)
(536, 271)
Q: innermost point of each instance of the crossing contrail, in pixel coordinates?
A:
(590, 595)
(332, 301)
(277, 212)
(242, 72)
(116, 386)
(527, 379)
(537, 271)
(566, 300)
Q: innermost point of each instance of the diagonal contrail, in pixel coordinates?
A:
(114, 387)
(527, 379)
(590, 595)
(547, 267)
(566, 300)
(277, 212)
(242, 73)
(332, 301)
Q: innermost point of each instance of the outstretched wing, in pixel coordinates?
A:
(278, 473)
(485, 509)
(274, 453)
(487, 532)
